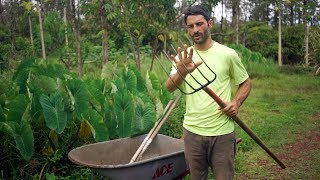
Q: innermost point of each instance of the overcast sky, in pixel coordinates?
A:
(218, 12)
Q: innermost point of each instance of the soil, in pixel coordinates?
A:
(301, 158)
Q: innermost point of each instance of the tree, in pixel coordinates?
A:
(305, 25)
(138, 17)
(235, 8)
(65, 21)
(279, 34)
(28, 7)
(76, 32)
(105, 28)
(41, 32)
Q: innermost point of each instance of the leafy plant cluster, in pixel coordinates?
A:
(47, 111)
(256, 64)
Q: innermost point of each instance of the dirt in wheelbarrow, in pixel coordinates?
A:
(302, 159)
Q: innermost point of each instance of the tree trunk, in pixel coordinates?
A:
(12, 24)
(1, 9)
(279, 38)
(237, 26)
(221, 25)
(104, 38)
(306, 39)
(291, 14)
(235, 17)
(41, 34)
(66, 33)
(155, 47)
(31, 35)
(133, 48)
(306, 45)
(75, 28)
(138, 55)
(105, 52)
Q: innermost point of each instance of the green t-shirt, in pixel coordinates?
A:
(202, 114)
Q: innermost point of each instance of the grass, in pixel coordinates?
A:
(279, 109)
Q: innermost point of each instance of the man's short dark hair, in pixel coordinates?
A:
(197, 10)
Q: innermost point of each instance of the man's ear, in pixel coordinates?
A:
(210, 23)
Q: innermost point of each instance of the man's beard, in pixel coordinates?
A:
(204, 37)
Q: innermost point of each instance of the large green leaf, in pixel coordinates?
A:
(110, 117)
(129, 79)
(141, 85)
(109, 70)
(42, 84)
(35, 107)
(118, 85)
(23, 136)
(17, 127)
(22, 74)
(124, 111)
(50, 70)
(165, 95)
(54, 111)
(79, 96)
(154, 94)
(17, 108)
(145, 116)
(154, 81)
(98, 127)
(2, 118)
(95, 89)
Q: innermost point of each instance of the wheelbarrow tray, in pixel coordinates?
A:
(164, 158)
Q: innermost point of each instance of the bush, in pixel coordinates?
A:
(259, 37)
(292, 44)
(255, 63)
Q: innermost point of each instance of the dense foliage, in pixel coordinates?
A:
(48, 111)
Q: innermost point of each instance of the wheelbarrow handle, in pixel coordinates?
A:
(154, 131)
(244, 126)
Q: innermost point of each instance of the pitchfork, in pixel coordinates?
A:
(218, 100)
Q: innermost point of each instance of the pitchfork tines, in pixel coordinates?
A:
(206, 80)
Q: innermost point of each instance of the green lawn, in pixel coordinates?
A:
(281, 109)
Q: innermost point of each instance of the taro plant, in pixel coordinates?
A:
(49, 110)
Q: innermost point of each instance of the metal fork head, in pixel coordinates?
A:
(193, 82)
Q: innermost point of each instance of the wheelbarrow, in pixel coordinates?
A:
(164, 158)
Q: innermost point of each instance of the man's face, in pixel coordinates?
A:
(198, 28)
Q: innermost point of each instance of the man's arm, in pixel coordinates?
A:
(242, 93)
(174, 81)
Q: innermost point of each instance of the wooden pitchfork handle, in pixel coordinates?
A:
(244, 126)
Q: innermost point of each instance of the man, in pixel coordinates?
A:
(208, 130)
